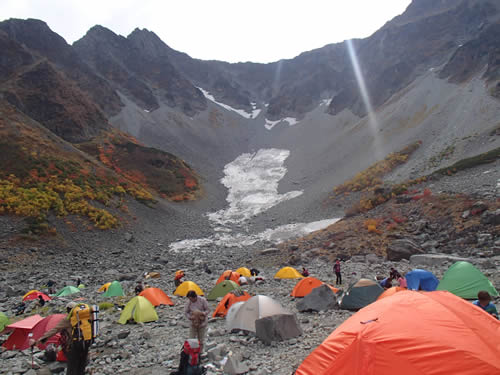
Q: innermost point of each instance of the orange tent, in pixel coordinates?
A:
(156, 296)
(228, 300)
(411, 333)
(305, 286)
(391, 291)
(229, 275)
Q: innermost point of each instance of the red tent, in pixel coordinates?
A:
(19, 339)
(411, 333)
(35, 294)
(32, 328)
(46, 325)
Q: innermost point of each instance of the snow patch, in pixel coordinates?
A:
(255, 112)
(270, 124)
(325, 102)
(239, 240)
(252, 181)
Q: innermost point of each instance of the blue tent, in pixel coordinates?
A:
(421, 280)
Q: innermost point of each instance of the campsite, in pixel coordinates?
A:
(137, 339)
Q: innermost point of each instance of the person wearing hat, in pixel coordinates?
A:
(75, 352)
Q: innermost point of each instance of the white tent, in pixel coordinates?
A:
(242, 315)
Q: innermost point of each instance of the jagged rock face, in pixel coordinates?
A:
(474, 55)
(50, 98)
(139, 65)
(37, 37)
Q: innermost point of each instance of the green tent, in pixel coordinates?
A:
(361, 294)
(138, 309)
(4, 321)
(114, 290)
(67, 290)
(465, 280)
(221, 289)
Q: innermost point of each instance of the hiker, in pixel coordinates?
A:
(178, 278)
(41, 301)
(243, 280)
(76, 349)
(304, 272)
(20, 308)
(139, 287)
(254, 272)
(484, 301)
(336, 269)
(394, 274)
(206, 269)
(386, 283)
(51, 286)
(402, 282)
(196, 310)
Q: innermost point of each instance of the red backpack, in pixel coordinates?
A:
(192, 350)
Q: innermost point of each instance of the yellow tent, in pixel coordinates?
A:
(243, 271)
(104, 287)
(138, 309)
(288, 273)
(185, 287)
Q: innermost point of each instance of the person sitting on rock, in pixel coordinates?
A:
(304, 272)
(484, 302)
(41, 301)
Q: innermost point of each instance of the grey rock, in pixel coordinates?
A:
(270, 251)
(491, 217)
(277, 328)
(402, 249)
(234, 366)
(320, 298)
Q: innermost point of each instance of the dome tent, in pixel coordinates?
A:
(114, 290)
(306, 285)
(360, 294)
(288, 273)
(185, 287)
(255, 308)
(156, 296)
(465, 280)
(414, 333)
(419, 279)
(140, 310)
(221, 289)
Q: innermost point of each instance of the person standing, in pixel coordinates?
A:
(336, 269)
(196, 310)
(76, 351)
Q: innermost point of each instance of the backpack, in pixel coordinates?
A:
(190, 362)
(84, 322)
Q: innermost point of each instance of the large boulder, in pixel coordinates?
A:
(402, 249)
(434, 259)
(320, 299)
(277, 328)
(491, 217)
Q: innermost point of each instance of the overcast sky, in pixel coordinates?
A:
(228, 30)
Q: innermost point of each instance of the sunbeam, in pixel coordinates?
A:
(372, 118)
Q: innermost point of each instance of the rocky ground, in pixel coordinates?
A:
(460, 218)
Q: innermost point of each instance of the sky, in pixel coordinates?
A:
(228, 30)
